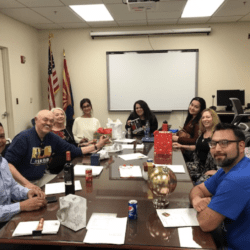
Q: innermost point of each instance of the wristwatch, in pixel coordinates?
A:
(95, 147)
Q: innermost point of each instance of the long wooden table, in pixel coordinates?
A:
(110, 194)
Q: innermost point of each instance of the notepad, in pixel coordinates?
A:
(130, 171)
(135, 156)
(27, 227)
(59, 187)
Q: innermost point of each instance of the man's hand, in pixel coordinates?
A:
(31, 204)
(32, 186)
(84, 140)
(199, 204)
(211, 172)
(34, 192)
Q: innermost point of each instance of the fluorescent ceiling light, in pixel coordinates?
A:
(93, 12)
(201, 8)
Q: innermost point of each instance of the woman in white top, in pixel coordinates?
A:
(85, 126)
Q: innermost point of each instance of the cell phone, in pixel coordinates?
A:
(51, 199)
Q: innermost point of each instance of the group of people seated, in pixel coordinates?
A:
(212, 145)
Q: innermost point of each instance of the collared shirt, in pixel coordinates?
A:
(9, 189)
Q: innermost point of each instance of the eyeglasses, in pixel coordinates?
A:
(222, 143)
(85, 107)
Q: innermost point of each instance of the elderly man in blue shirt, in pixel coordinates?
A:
(10, 190)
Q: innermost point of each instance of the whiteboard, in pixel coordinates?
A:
(166, 80)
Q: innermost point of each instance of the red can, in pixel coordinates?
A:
(88, 175)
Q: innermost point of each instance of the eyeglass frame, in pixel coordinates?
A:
(220, 143)
(85, 107)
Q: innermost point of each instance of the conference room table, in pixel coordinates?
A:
(109, 193)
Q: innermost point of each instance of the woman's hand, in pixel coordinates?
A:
(175, 138)
(84, 139)
(129, 122)
(177, 145)
(103, 140)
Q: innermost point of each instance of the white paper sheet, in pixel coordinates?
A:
(175, 168)
(113, 234)
(124, 140)
(99, 220)
(130, 171)
(179, 217)
(26, 228)
(59, 187)
(128, 146)
(135, 156)
(79, 170)
(186, 237)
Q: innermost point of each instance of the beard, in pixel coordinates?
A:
(227, 162)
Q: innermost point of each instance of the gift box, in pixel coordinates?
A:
(165, 159)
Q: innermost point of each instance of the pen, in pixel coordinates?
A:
(40, 225)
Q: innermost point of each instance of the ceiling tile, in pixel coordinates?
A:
(103, 24)
(10, 4)
(114, 1)
(58, 14)
(46, 26)
(39, 3)
(193, 20)
(132, 23)
(74, 25)
(245, 18)
(121, 12)
(219, 19)
(234, 8)
(25, 15)
(163, 21)
(163, 15)
(80, 2)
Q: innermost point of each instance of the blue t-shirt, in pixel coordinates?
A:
(30, 155)
(231, 198)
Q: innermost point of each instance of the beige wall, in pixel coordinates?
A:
(21, 39)
(224, 62)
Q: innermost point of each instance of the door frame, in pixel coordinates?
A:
(8, 93)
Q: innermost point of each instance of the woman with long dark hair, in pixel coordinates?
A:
(189, 134)
(144, 114)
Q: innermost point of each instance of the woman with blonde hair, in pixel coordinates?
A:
(203, 165)
(59, 126)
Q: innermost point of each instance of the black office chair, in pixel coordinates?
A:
(239, 116)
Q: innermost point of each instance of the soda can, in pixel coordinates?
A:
(88, 175)
(132, 209)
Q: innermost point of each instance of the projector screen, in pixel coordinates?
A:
(166, 80)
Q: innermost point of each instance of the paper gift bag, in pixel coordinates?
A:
(72, 212)
(116, 128)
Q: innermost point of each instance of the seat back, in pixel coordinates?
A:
(238, 110)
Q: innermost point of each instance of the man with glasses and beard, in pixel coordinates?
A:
(225, 197)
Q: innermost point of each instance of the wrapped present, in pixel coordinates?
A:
(163, 142)
(103, 131)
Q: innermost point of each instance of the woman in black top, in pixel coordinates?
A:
(203, 165)
(143, 112)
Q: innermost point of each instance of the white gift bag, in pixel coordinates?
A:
(72, 212)
(116, 128)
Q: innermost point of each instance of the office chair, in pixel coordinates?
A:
(238, 116)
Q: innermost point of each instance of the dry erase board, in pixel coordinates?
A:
(166, 80)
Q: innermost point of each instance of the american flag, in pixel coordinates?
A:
(52, 80)
(68, 102)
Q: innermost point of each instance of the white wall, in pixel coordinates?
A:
(20, 39)
(223, 62)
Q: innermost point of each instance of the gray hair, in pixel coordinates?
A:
(52, 110)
